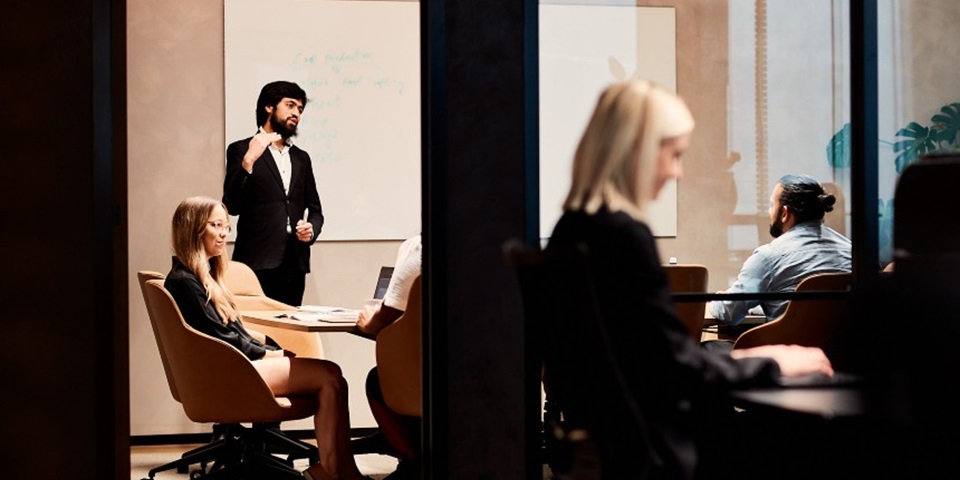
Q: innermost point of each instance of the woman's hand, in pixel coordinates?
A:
(272, 353)
(279, 353)
(257, 335)
(794, 360)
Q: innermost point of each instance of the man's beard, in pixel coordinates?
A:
(281, 128)
(776, 228)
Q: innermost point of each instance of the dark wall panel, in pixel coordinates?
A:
(60, 412)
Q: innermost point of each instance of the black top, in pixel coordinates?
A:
(671, 379)
(191, 297)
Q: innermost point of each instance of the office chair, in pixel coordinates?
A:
(204, 453)
(569, 348)
(395, 399)
(399, 355)
(689, 278)
(812, 323)
(249, 296)
(142, 277)
(216, 383)
(920, 308)
(919, 228)
(529, 264)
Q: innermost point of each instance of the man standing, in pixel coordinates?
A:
(802, 246)
(270, 184)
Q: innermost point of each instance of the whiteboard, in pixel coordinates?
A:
(584, 48)
(359, 62)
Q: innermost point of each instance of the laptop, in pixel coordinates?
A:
(820, 380)
(383, 281)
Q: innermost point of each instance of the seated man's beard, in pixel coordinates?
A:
(776, 228)
(281, 128)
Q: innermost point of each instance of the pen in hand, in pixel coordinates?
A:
(304, 228)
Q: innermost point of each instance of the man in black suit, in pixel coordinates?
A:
(270, 184)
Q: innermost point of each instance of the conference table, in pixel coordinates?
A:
(303, 321)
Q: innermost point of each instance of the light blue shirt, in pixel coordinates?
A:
(807, 248)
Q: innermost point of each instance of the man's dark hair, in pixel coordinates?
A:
(805, 197)
(273, 92)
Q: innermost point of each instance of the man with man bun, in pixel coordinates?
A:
(802, 246)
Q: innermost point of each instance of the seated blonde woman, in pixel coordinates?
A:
(200, 229)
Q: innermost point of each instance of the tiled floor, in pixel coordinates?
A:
(143, 458)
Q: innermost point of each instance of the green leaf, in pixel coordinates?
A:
(919, 141)
(838, 150)
(913, 130)
(903, 145)
(947, 123)
(903, 159)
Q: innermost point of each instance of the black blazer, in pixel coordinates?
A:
(191, 297)
(258, 198)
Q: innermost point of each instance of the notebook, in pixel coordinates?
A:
(332, 314)
(325, 313)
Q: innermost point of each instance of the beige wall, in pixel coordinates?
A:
(706, 194)
(176, 149)
(932, 52)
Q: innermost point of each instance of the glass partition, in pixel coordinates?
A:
(768, 81)
(918, 94)
(788, 110)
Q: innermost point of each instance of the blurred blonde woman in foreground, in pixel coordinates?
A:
(630, 149)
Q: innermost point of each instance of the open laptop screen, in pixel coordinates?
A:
(382, 282)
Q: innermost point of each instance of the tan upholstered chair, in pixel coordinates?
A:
(216, 383)
(248, 295)
(689, 278)
(142, 277)
(205, 453)
(398, 358)
(812, 323)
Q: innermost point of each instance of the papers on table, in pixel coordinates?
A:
(324, 313)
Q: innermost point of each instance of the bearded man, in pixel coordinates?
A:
(270, 184)
(802, 246)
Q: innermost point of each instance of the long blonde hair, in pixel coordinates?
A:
(188, 228)
(615, 164)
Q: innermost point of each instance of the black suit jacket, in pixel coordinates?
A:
(264, 209)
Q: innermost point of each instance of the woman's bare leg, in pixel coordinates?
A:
(290, 376)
